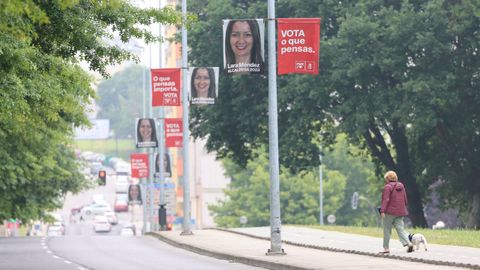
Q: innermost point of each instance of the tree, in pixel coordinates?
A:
(44, 92)
(399, 78)
(249, 191)
(115, 99)
(299, 193)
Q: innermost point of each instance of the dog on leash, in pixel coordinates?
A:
(417, 239)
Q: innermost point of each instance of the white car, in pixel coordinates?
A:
(55, 230)
(128, 230)
(101, 224)
(96, 209)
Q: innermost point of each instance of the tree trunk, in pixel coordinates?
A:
(474, 215)
(415, 206)
(401, 165)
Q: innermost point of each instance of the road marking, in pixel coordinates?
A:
(49, 252)
(55, 257)
(67, 262)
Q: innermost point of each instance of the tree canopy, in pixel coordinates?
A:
(44, 92)
(400, 78)
(299, 194)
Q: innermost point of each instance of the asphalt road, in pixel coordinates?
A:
(81, 249)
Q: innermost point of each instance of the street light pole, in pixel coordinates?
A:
(275, 220)
(186, 132)
(321, 185)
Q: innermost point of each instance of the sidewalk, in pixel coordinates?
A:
(315, 249)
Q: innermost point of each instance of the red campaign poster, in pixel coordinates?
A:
(298, 45)
(139, 164)
(165, 87)
(173, 132)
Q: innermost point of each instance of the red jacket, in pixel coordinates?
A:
(394, 202)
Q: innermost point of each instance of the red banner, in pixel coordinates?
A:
(173, 132)
(298, 45)
(165, 87)
(139, 164)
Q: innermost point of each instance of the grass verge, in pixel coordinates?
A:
(453, 237)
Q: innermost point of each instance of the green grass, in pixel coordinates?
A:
(454, 237)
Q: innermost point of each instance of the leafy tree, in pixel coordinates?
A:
(249, 191)
(115, 99)
(359, 173)
(399, 78)
(44, 92)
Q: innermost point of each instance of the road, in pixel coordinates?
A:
(81, 248)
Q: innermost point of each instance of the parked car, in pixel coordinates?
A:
(101, 224)
(121, 202)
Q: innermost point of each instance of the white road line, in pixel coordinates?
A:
(49, 252)
(55, 257)
(67, 262)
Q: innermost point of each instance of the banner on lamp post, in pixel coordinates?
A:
(139, 165)
(165, 87)
(298, 45)
(173, 132)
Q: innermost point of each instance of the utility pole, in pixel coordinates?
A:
(321, 185)
(275, 220)
(186, 131)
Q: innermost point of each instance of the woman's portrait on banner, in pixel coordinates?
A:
(134, 194)
(167, 168)
(203, 85)
(146, 135)
(243, 46)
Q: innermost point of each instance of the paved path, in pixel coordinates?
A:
(315, 249)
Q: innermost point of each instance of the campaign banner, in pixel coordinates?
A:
(165, 87)
(243, 51)
(146, 134)
(203, 85)
(139, 165)
(298, 45)
(173, 132)
(167, 168)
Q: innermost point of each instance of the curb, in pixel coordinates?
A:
(228, 257)
(371, 254)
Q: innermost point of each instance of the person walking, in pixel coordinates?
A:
(393, 210)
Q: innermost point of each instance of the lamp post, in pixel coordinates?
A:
(321, 185)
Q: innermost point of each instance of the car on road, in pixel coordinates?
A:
(101, 224)
(55, 230)
(121, 202)
(96, 209)
(127, 230)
